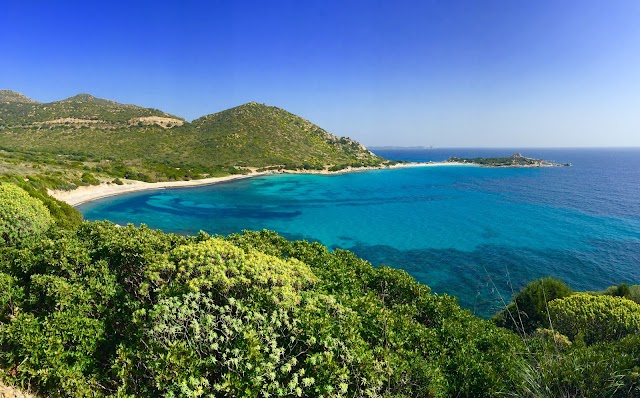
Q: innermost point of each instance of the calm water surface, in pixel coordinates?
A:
(476, 233)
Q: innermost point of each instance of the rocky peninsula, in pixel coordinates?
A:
(516, 160)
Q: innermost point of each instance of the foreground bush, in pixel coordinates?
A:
(595, 318)
(64, 215)
(605, 369)
(102, 310)
(106, 310)
(21, 216)
(529, 309)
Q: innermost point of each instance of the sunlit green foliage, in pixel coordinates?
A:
(103, 310)
(579, 348)
(594, 318)
(121, 310)
(62, 213)
(405, 322)
(258, 135)
(21, 216)
(90, 179)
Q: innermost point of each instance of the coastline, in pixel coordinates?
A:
(89, 193)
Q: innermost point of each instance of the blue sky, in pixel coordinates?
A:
(509, 73)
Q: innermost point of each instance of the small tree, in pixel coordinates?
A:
(621, 290)
(528, 311)
(21, 215)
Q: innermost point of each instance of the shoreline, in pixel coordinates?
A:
(84, 194)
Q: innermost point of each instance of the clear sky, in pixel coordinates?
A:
(503, 73)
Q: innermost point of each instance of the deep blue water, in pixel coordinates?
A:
(477, 233)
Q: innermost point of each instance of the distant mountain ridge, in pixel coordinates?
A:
(81, 110)
(158, 145)
(9, 96)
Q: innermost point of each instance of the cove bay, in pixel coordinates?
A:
(477, 233)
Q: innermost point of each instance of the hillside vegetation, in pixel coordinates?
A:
(263, 135)
(8, 96)
(94, 309)
(88, 134)
(81, 110)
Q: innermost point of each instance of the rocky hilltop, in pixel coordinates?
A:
(516, 160)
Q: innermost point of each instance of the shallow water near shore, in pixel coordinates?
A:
(476, 233)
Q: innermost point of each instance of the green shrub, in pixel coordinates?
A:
(64, 215)
(90, 179)
(634, 293)
(410, 328)
(595, 318)
(102, 310)
(21, 216)
(528, 311)
(559, 340)
(219, 266)
(10, 297)
(338, 167)
(623, 290)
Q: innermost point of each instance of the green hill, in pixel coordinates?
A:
(79, 110)
(118, 140)
(261, 135)
(9, 96)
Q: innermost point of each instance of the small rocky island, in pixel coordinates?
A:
(516, 160)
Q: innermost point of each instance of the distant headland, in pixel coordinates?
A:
(516, 160)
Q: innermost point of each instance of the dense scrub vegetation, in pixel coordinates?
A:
(261, 135)
(19, 110)
(97, 309)
(21, 216)
(529, 309)
(63, 214)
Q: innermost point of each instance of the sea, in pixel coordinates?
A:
(476, 233)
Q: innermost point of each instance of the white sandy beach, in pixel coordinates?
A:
(92, 192)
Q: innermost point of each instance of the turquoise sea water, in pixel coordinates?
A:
(477, 233)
